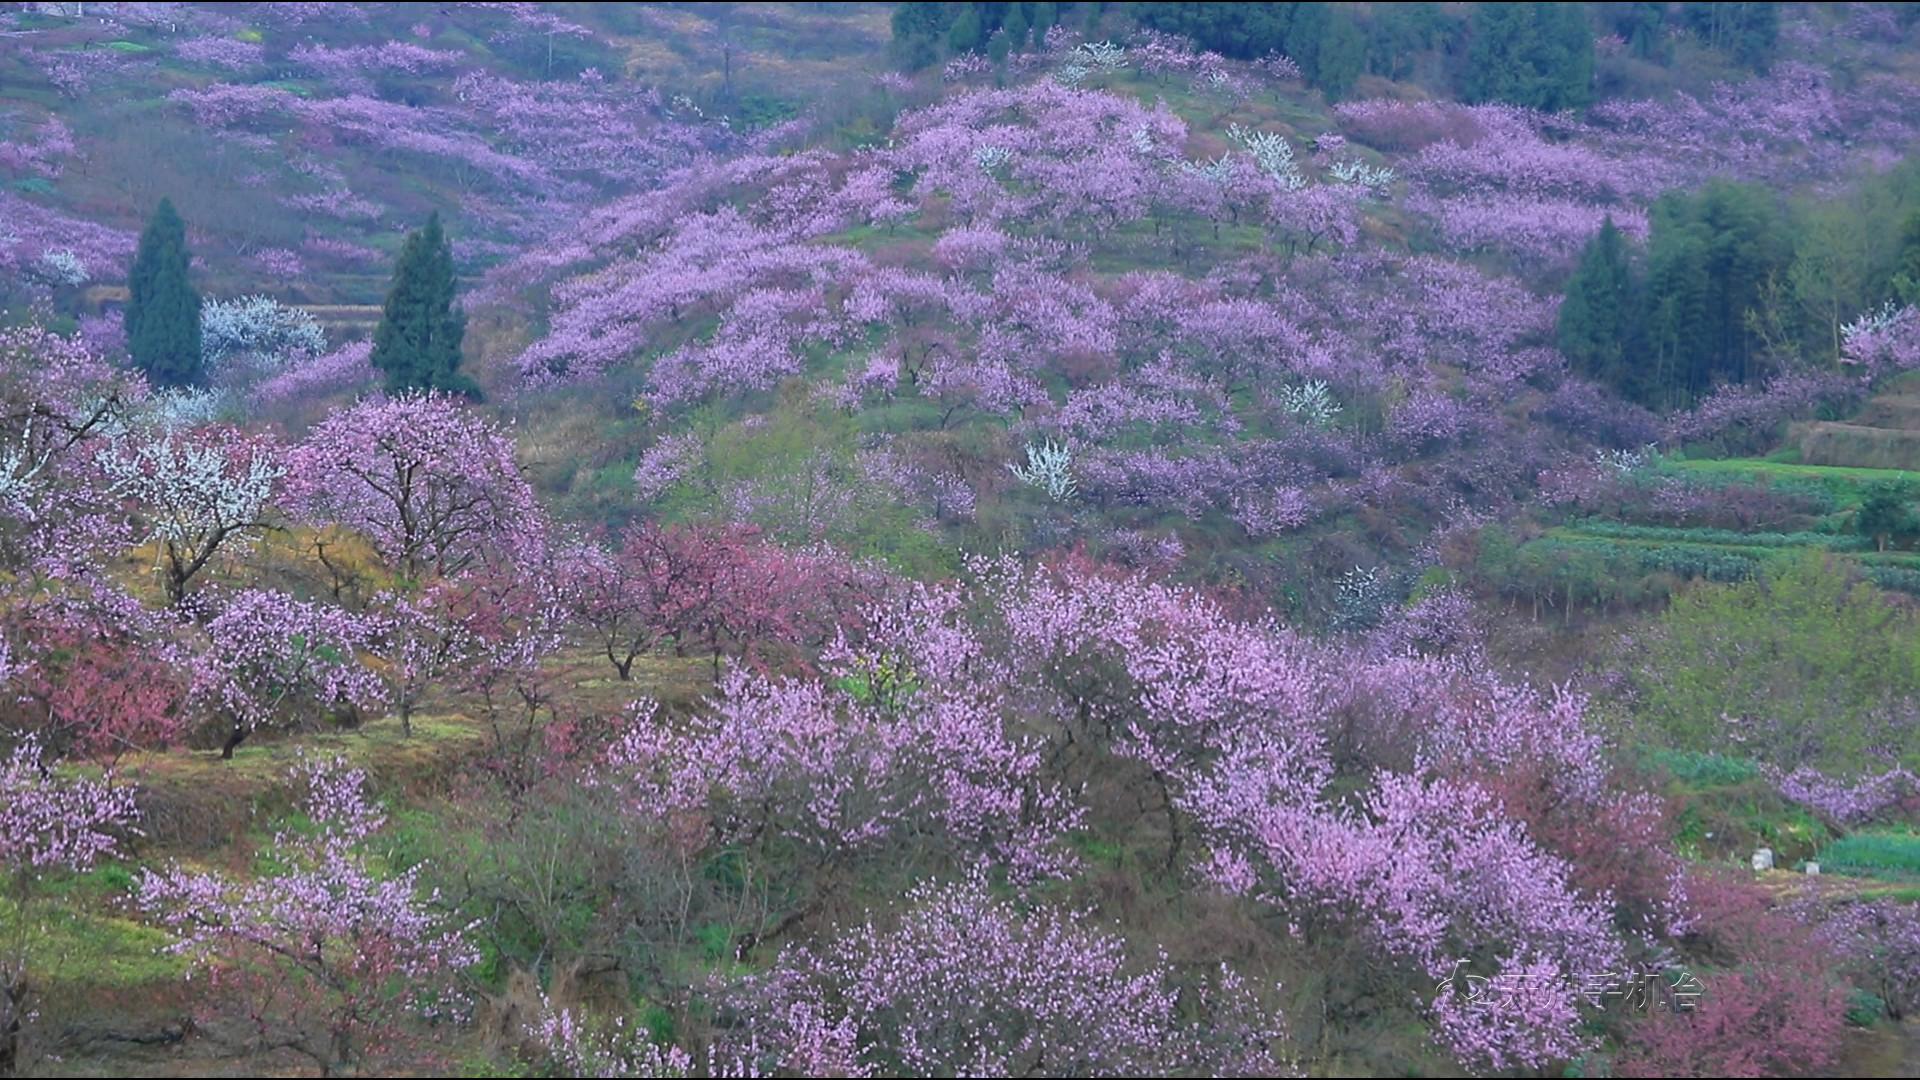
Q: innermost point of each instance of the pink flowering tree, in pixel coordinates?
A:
(723, 590)
(965, 983)
(194, 495)
(330, 956)
(910, 753)
(567, 1044)
(632, 599)
(95, 673)
(58, 400)
(508, 621)
(269, 654)
(1384, 840)
(422, 641)
(429, 481)
(811, 781)
(49, 823)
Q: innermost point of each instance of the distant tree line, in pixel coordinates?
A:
(1535, 54)
(925, 32)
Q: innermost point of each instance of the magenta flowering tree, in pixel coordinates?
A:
(430, 482)
(964, 983)
(194, 495)
(269, 655)
(48, 823)
(345, 368)
(329, 956)
(95, 673)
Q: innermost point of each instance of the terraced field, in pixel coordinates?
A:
(1626, 557)
(1886, 434)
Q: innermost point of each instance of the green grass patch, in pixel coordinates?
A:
(75, 947)
(291, 86)
(1847, 482)
(1728, 820)
(1886, 855)
(1701, 771)
(1719, 537)
(1600, 563)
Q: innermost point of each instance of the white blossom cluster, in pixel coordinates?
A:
(259, 327)
(1089, 57)
(1049, 466)
(1625, 461)
(1273, 153)
(1312, 401)
(1869, 322)
(1218, 171)
(60, 266)
(1104, 55)
(20, 466)
(1375, 178)
(1360, 598)
(191, 493)
(182, 408)
(991, 158)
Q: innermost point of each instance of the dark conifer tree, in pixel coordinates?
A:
(163, 311)
(417, 346)
(1598, 316)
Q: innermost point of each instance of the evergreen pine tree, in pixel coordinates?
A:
(967, 32)
(1045, 14)
(1342, 54)
(1538, 55)
(163, 311)
(1597, 317)
(1017, 26)
(417, 346)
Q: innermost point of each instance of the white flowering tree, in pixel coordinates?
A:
(194, 494)
(1311, 401)
(60, 266)
(1273, 153)
(259, 330)
(1049, 467)
(181, 408)
(1375, 178)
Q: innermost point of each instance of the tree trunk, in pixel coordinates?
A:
(12, 1006)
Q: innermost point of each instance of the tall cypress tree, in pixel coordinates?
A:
(1597, 318)
(417, 345)
(163, 311)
